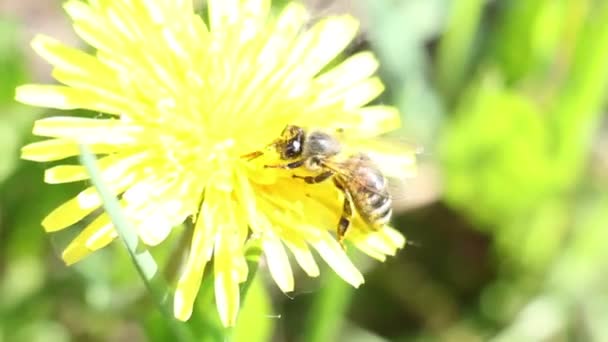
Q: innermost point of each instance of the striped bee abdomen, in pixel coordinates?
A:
(371, 197)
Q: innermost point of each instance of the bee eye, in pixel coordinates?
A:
(292, 150)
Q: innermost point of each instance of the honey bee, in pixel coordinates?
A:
(364, 186)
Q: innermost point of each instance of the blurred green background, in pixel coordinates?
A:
(507, 219)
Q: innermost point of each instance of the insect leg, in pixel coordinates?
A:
(292, 165)
(316, 179)
(347, 212)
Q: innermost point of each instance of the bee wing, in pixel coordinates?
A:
(348, 169)
(396, 160)
(396, 188)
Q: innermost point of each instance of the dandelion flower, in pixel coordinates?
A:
(184, 100)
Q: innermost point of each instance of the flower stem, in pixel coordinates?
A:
(142, 259)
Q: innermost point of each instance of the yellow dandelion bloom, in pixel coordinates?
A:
(185, 99)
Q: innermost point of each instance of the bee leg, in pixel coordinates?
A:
(316, 179)
(347, 213)
(292, 165)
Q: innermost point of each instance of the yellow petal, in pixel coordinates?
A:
(394, 237)
(96, 235)
(65, 174)
(247, 200)
(290, 23)
(192, 274)
(72, 60)
(291, 20)
(382, 241)
(158, 205)
(87, 25)
(370, 251)
(278, 262)
(62, 97)
(303, 257)
(354, 69)
(223, 14)
(72, 211)
(255, 8)
(252, 17)
(56, 149)
(77, 9)
(331, 251)
(361, 93)
(325, 40)
(88, 131)
(227, 294)
(112, 167)
(80, 206)
(377, 120)
(228, 256)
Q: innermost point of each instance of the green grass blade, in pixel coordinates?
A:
(142, 259)
(327, 313)
(455, 48)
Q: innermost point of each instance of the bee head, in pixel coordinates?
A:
(290, 144)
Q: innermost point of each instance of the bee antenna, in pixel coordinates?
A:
(252, 155)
